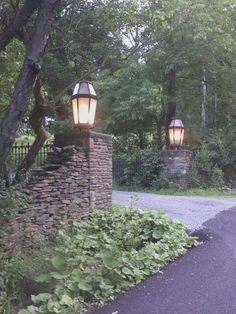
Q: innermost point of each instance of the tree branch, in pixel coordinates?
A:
(15, 24)
(36, 121)
(72, 84)
(27, 78)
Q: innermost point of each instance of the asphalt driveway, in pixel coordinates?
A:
(203, 281)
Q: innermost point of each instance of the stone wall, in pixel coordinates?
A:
(76, 178)
(178, 163)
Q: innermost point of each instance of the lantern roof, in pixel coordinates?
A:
(176, 123)
(84, 89)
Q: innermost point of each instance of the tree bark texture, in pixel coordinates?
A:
(171, 102)
(25, 83)
(203, 105)
(215, 108)
(159, 134)
(141, 138)
(36, 120)
(18, 22)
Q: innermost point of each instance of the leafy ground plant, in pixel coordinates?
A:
(109, 253)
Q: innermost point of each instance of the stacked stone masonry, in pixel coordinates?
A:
(178, 162)
(75, 179)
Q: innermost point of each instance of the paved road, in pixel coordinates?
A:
(201, 282)
(191, 210)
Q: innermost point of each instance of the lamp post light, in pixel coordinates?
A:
(84, 104)
(176, 132)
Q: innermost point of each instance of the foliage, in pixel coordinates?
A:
(24, 139)
(200, 192)
(61, 126)
(215, 161)
(29, 139)
(17, 273)
(209, 192)
(207, 29)
(164, 179)
(141, 169)
(205, 173)
(110, 252)
(222, 146)
(11, 200)
(11, 60)
(129, 99)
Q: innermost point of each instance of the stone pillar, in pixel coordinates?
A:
(75, 179)
(90, 167)
(177, 162)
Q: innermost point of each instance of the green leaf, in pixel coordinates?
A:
(110, 259)
(59, 276)
(157, 234)
(33, 309)
(127, 271)
(59, 262)
(66, 300)
(42, 297)
(44, 278)
(85, 285)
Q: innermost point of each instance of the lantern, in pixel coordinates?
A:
(176, 132)
(84, 104)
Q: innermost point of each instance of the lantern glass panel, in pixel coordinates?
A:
(92, 111)
(176, 136)
(171, 136)
(83, 104)
(75, 111)
(182, 136)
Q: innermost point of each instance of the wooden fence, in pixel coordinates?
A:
(19, 151)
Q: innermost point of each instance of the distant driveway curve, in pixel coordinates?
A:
(193, 211)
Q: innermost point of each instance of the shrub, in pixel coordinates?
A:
(110, 252)
(222, 146)
(205, 173)
(12, 199)
(17, 273)
(141, 170)
(61, 126)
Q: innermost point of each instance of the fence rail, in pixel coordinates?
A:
(19, 151)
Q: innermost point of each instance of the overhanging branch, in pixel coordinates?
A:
(15, 24)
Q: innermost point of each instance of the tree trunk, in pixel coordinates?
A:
(7, 173)
(159, 124)
(159, 136)
(36, 121)
(171, 101)
(215, 109)
(25, 83)
(203, 106)
(16, 24)
(141, 139)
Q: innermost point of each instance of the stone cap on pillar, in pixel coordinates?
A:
(78, 137)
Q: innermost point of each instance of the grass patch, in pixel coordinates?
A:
(105, 255)
(189, 192)
(198, 192)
